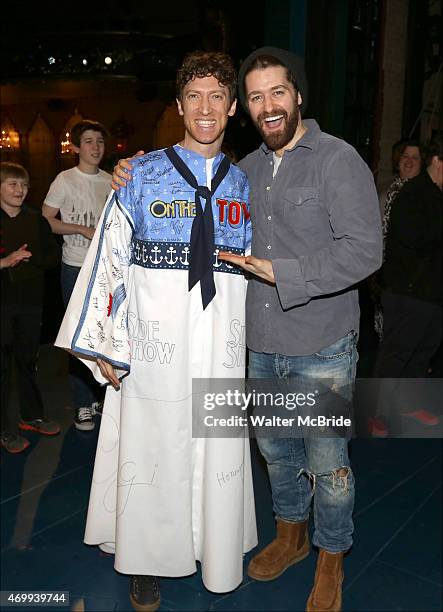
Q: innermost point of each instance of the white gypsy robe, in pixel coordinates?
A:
(160, 499)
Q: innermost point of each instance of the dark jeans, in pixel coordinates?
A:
(293, 462)
(84, 390)
(412, 332)
(20, 339)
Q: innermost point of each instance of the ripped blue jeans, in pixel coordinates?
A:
(304, 468)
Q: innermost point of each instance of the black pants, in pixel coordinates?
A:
(20, 340)
(411, 336)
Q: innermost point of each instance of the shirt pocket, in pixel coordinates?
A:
(301, 205)
(301, 202)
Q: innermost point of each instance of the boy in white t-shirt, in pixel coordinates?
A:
(79, 195)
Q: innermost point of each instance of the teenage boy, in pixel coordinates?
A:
(27, 249)
(161, 309)
(78, 196)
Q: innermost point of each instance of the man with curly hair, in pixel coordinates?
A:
(161, 309)
(317, 233)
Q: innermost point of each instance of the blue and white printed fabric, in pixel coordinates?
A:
(157, 499)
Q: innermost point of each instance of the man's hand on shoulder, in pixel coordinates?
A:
(122, 171)
(259, 267)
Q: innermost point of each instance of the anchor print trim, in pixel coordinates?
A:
(175, 256)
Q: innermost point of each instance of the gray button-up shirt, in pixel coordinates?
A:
(319, 222)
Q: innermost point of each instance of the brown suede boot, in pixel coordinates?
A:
(326, 593)
(290, 546)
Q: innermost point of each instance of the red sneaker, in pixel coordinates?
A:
(43, 426)
(13, 443)
(424, 417)
(377, 427)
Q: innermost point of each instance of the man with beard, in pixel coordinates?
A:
(316, 232)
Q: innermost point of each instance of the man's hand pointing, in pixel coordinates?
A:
(260, 267)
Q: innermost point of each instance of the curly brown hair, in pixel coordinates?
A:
(200, 64)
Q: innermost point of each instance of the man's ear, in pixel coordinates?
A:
(299, 99)
(75, 149)
(179, 106)
(231, 111)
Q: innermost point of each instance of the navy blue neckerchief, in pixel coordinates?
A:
(201, 255)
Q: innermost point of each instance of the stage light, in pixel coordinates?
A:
(51, 60)
(108, 60)
(84, 62)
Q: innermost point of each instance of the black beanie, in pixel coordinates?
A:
(293, 62)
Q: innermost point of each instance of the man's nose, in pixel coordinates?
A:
(268, 104)
(205, 105)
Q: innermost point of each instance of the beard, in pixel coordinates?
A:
(279, 139)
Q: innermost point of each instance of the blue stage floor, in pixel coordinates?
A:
(395, 563)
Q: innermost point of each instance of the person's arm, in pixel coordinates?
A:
(11, 260)
(108, 373)
(259, 267)
(122, 171)
(356, 250)
(60, 227)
